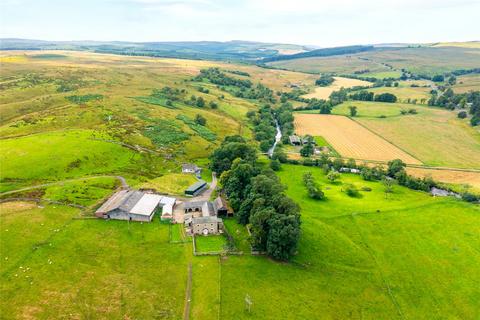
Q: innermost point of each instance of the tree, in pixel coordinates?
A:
(388, 184)
(199, 119)
(307, 150)
(213, 105)
(475, 121)
(438, 78)
(332, 176)
(395, 166)
(200, 102)
(265, 145)
(324, 80)
(232, 148)
(279, 155)
(314, 190)
(353, 111)
(283, 236)
(275, 165)
(462, 114)
(386, 97)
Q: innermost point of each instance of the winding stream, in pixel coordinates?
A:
(278, 137)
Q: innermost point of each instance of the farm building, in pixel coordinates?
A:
(221, 207)
(196, 188)
(206, 208)
(191, 168)
(206, 225)
(135, 205)
(295, 140)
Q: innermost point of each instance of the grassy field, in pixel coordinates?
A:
(466, 83)
(171, 183)
(382, 74)
(59, 155)
(340, 82)
(423, 60)
(349, 139)
(82, 268)
(345, 64)
(406, 93)
(366, 109)
(210, 243)
(367, 257)
(445, 140)
(58, 108)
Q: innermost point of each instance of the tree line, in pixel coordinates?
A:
(257, 196)
(469, 101)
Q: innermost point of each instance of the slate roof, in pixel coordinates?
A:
(210, 219)
(196, 186)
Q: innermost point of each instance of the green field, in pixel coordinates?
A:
(72, 125)
(406, 93)
(368, 109)
(422, 60)
(369, 257)
(445, 139)
(205, 244)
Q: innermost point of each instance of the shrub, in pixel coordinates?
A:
(351, 190)
(275, 165)
(462, 114)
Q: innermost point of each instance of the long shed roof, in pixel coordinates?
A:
(146, 205)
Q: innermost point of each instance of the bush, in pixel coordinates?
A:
(351, 190)
(462, 114)
(275, 165)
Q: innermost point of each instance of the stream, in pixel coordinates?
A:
(278, 137)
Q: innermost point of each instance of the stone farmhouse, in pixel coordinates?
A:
(201, 217)
(134, 205)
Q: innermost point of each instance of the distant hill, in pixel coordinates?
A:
(326, 52)
(208, 50)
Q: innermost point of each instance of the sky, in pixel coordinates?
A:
(320, 23)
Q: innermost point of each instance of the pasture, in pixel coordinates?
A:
(367, 109)
(405, 94)
(362, 257)
(445, 140)
(421, 60)
(350, 139)
(466, 83)
(338, 83)
(73, 114)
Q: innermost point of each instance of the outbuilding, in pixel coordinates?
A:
(134, 205)
(196, 188)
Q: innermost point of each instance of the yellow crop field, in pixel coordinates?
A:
(349, 138)
(448, 176)
(324, 92)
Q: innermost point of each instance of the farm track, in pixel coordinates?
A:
(122, 180)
